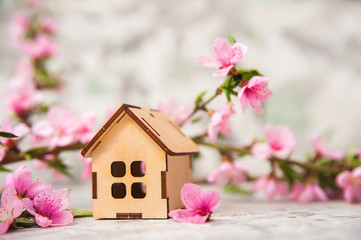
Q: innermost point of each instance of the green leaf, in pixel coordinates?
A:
(289, 173)
(227, 92)
(326, 180)
(34, 151)
(231, 39)
(7, 135)
(2, 169)
(200, 97)
(197, 119)
(247, 74)
(25, 222)
(230, 188)
(81, 213)
(323, 161)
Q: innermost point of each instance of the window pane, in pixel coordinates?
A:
(138, 168)
(119, 190)
(139, 190)
(118, 169)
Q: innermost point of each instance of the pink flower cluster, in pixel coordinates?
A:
(61, 128)
(323, 150)
(48, 206)
(219, 123)
(229, 172)
(39, 46)
(175, 111)
(200, 204)
(280, 142)
(253, 91)
(350, 182)
(24, 95)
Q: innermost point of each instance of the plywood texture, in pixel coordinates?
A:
(126, 141)
(162, 130)
(179, 172)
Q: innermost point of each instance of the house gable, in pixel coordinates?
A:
(162, 130)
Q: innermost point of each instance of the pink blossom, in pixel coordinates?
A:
(22, 99)
(324, 151)
(57, 129)
(49, 208)
(175, 111)
(309, 193)
(21, 180)
(87, 169)
(271, 187)
(254, 92)
(48, 24)
(228, 172)
(281, 142)
(84, 127)
(200, 204)
(19, 130)
(225, 56)
(19, 27)
(11, 208)
(40, 47)
(350, 182)
(219, 123)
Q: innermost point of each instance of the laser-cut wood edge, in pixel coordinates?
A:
(94, 185)
(86, 151)
(129, 215)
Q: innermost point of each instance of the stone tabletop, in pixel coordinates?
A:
(239, 217)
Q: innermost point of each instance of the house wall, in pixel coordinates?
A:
(127, 142)
(179, 172)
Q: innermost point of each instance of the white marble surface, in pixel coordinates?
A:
(238, 217)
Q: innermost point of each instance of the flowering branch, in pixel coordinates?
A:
(329, 173)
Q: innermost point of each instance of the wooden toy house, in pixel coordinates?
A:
(140, 161)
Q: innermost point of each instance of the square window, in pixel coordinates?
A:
(139, 190)
(119, 190)
(118, 169)
(138, 168)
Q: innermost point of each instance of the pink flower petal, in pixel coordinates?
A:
(349, 194)
(239, 50)
(223, 50)
(343, 179)
(188, 215)
(29, 206)
(356, 173)
(306, 195)
(191, 196)
(36, 187)
(62, 218)
(320, 194)
(42, 221)
(261, 150)
(209, 61)
(211, 200)
(271, 188)
(222, 72)
(4, 226)
(259, 183)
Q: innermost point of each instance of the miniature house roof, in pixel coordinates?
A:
(161, 129)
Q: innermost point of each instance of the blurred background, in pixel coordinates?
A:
(144, 52)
